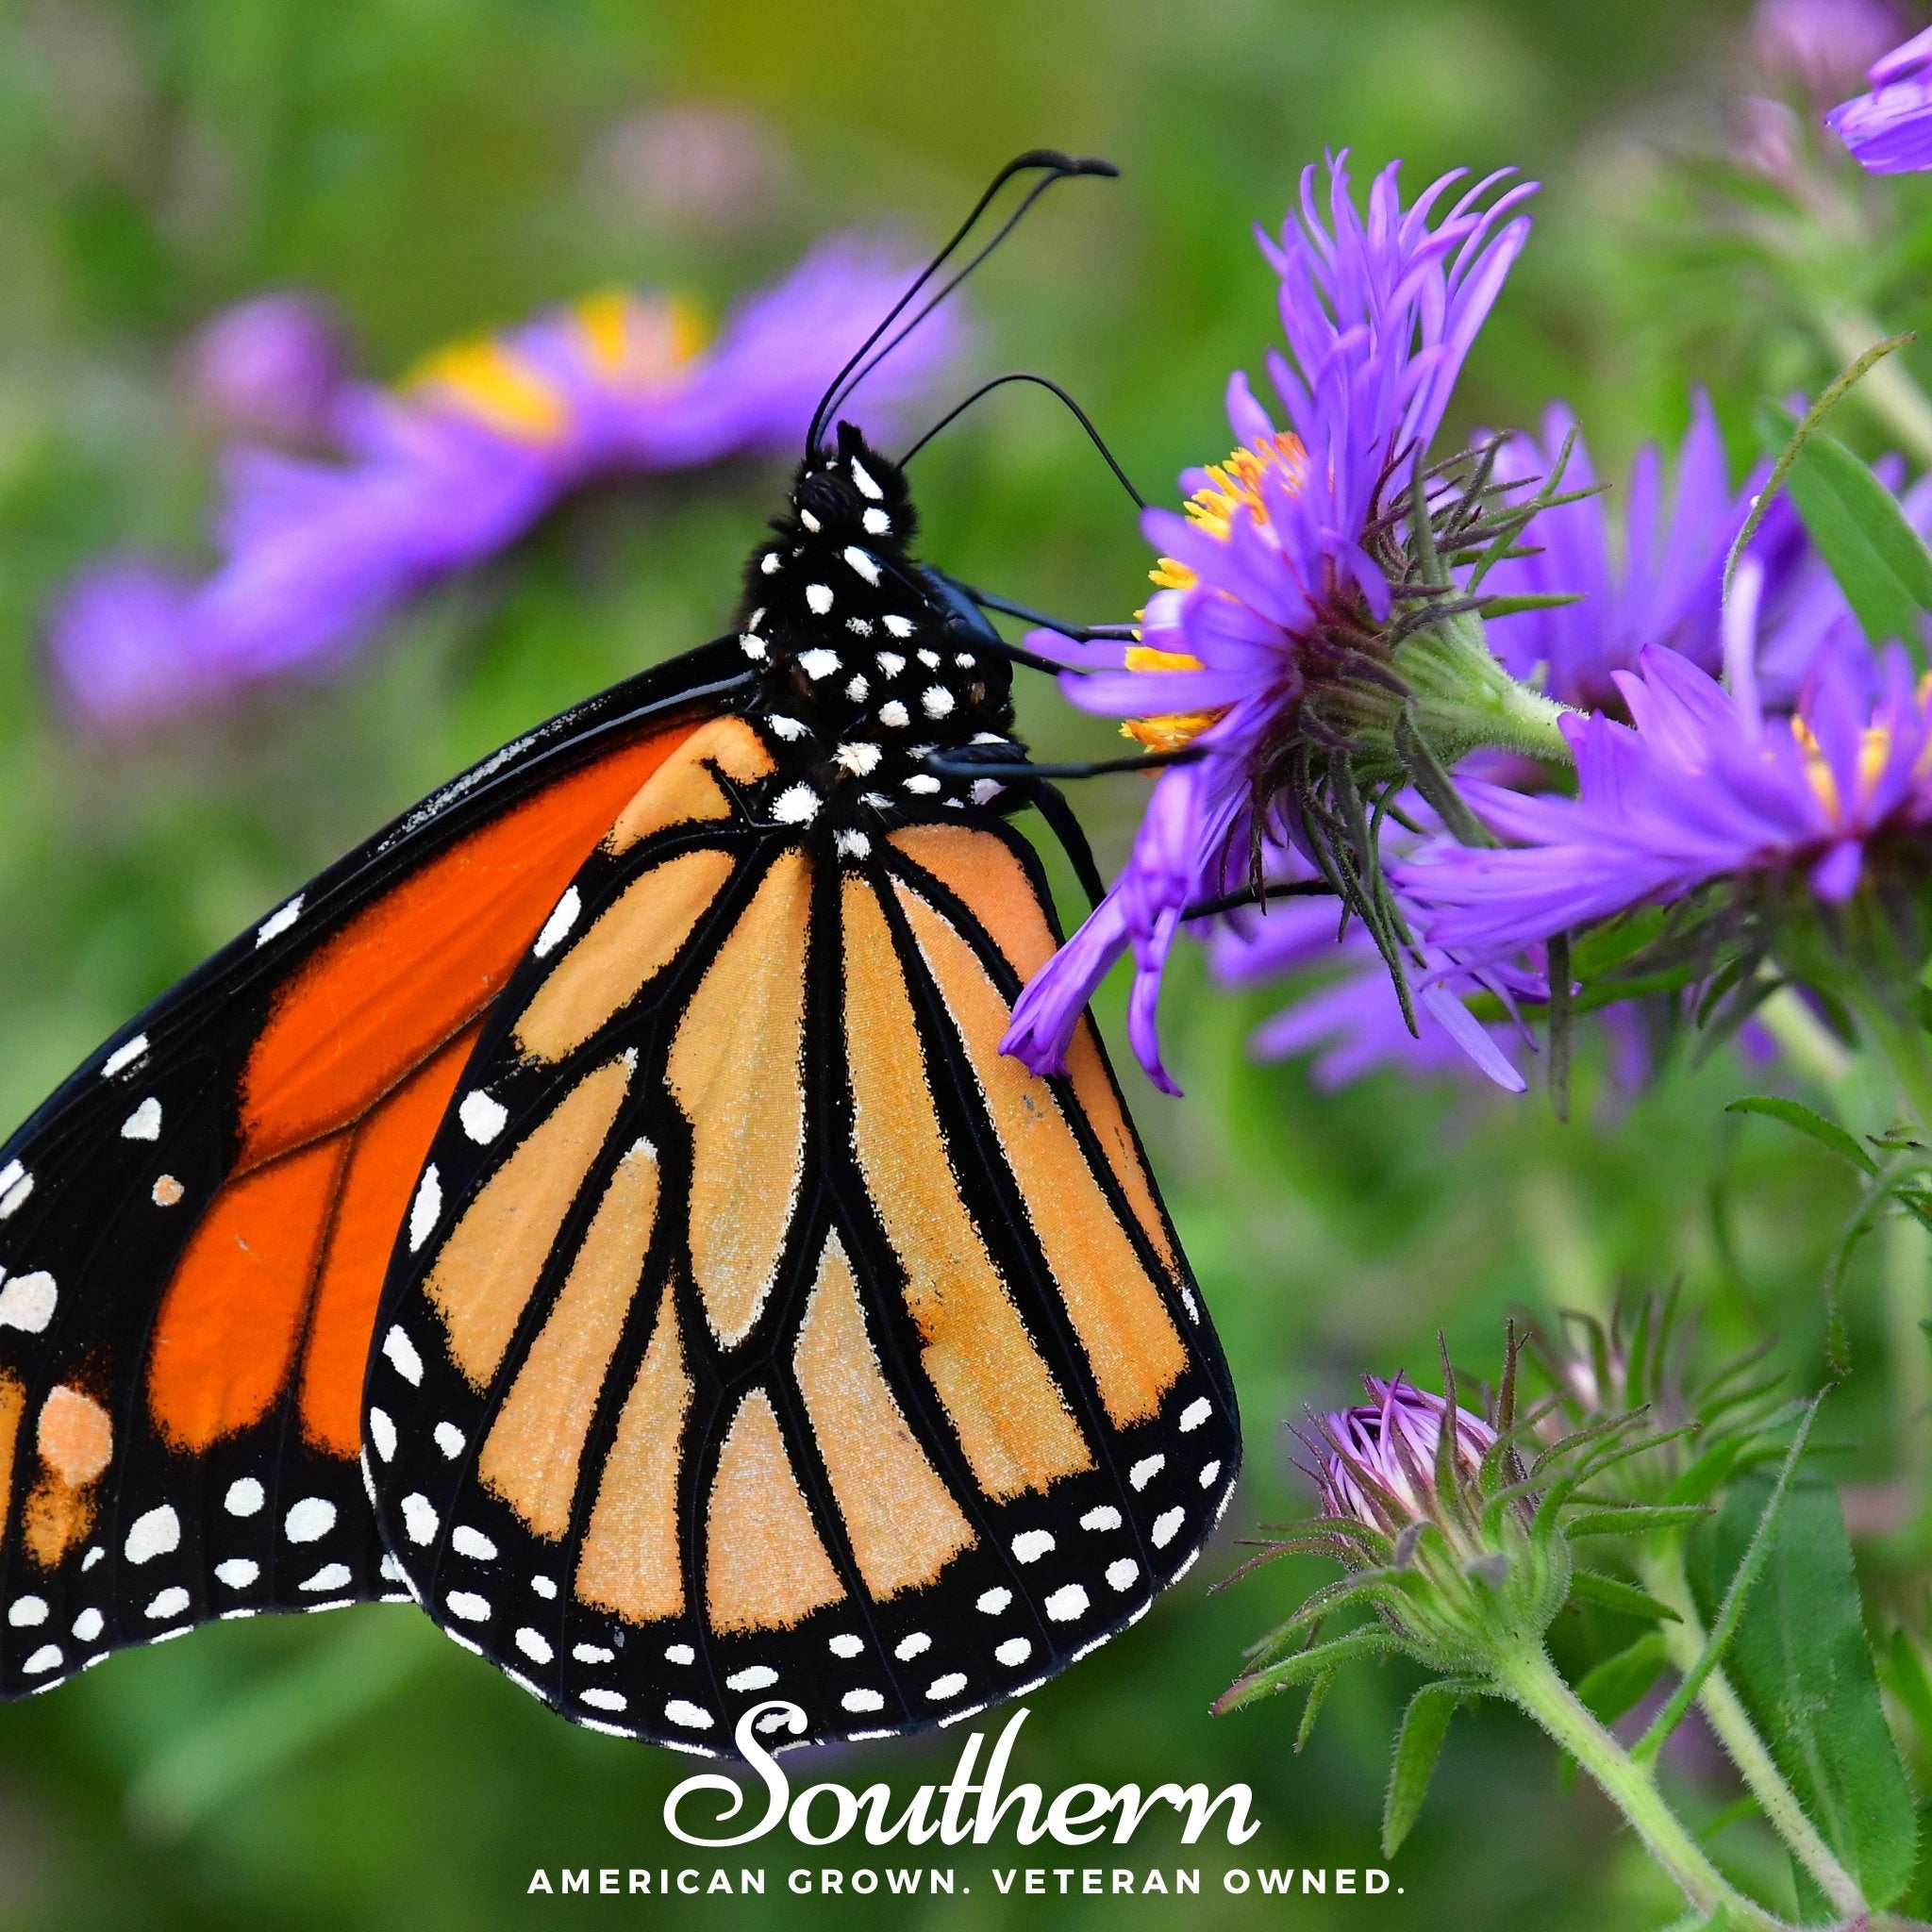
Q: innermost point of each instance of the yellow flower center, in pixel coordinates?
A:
(630, 341)
(1233, 484)
(1874, 748)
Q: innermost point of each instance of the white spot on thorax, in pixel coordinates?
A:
(797, 805)
(861, 761)
(753, 646)
(819, 597)
(811, 522)
(123, 1055)
(153, 1534)
(770, 563)
(857, 690)
(891, 663)
(866, 486)
(930, 659)
(790, 729)
(29, 1301)
(244, 1498)
(819, 662)
(559, 924)
(279, 921)
(852, 845)
(878, 523)
(863, 562)
(860, 627)
(895, 715)
(900, 626)
(145, 1122)
(935, 701)
(924, 783)
(986, 789)
(482, 1116)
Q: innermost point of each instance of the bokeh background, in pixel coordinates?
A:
(434, 166)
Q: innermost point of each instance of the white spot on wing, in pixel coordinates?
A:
(171, 1602)
(24, 1613)
(1068, 1601)
(467, 1605)
(910, 1647)
(593, 1654)
(123, 1057)
(16, 1183)
(89, 1625)
(145, 1122)
(1166, 1527)
(309, 1520)
(758, 1677)
(1146, 1470)
(674, 1654)
(862, 1701)
(992, 1602)
(46, 1658)
(693, 1717)
(330, 1577)
(153, 1534)
(949, 1686)
(533, 1645)
(1122, 1573)
(1106, 1517)
(449, 1438)
(382, 1432)
(482, 1117)
(1014, 1651)
(418, 1519)
(559, 924)
(1208, 1473)
(423, 1212)
(845, 1645)
(244, 1497)
(603, 1700)
(238, 1573)
(29, 1301)
(543, 1587)
(473, 1543)
(279, 921)
(1196, 1412)
(402, 1356)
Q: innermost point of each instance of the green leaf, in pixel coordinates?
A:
(1370, 1640)
(1418, 1743)
(1312, 1709)
(1613, 1594)
(1640, 1521)
(1801, 1663)
(1879, 560)
(1911, 1683)
(1824, 1132)
(1619, 1681)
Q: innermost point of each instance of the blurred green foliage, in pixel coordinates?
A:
(438, 165)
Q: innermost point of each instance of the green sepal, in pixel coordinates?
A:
(1418, 1744)
(1613, 1594)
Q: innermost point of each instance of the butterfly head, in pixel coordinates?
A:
(871, 669)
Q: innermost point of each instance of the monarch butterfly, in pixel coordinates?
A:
(598, 1210)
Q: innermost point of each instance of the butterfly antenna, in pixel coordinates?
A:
(1079, 415)
(1056, 166)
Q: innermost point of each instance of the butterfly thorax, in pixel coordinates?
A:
(870, 681)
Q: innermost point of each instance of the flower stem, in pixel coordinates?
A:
(1526, 1676)
(1464, 698)
(1887, 387)
(1661, 1569)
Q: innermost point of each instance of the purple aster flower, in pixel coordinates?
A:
(1648, 563)
(1275, 576)
(1381, 1462)
(270, 370)
(1889, 131)
(1822, 47)
(474, 449)
(1700, 788)
(102, 637)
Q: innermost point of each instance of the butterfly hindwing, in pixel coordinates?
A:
(194, 1229)
(763, 1332)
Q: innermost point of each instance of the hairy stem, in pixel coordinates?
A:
(1661, 1569)
(1530, 1680)
(1887, 388)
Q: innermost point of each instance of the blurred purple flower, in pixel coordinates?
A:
(1703, 786)
(1889, 131)
(1822, 47)
(695, 165)
(472, 451)
(1379, 1466)
(1648, 564)
(1379, 315)
(270, 370)
(112, 643)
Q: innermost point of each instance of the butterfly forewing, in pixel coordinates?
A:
(764, 1333)
(196, 1229)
